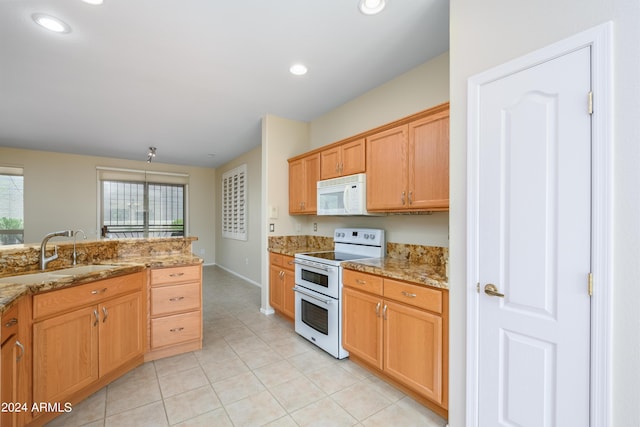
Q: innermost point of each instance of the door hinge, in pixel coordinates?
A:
(590, 102)
(478, 287)
(590, 286)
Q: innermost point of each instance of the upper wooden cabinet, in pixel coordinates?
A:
(304, 173)
(343, 159)
(408, 165)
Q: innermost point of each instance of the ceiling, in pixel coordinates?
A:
(194, 77)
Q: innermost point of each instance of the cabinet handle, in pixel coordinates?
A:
(290, 262)
(378, 310)
(12, 322)
(98, 291)
(176, 329)
(361, 282)
(402, 198)
(106, 313)
(384, 312)
(97, 316)
(176, 274)
(341, 167)
(19, 344)
(408, 294)
(410, 197)
(337, 167)
(174, 299)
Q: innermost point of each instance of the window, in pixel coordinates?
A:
(11, 206)
(147, 208)
(234, 206)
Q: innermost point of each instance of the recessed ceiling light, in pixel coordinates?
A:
(94, 2)
(51, 23)
(371, 7)
(298, 69)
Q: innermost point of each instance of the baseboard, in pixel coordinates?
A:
(239, 275)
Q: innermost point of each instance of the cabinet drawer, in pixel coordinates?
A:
(9, 323)
(418, 296)
(175, 298)
(61, 300)
(175, 274)
(284, 261)
(175, 329)
(362, 281)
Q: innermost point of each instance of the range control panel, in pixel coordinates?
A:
(359, 236)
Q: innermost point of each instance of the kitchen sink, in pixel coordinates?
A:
(34, 278)
(85, 269)
(50, 276)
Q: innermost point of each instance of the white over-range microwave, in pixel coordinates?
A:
(346, 195)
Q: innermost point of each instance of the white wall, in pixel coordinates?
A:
(244, 258)
(486, 34)
(61, 192)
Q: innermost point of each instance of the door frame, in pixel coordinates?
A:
(600, 40)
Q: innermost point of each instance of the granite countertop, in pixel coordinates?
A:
(291, 251)
(10, 292)
(401, 269)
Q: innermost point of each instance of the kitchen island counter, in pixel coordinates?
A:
(417, 272)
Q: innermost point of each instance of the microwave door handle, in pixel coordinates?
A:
(345, 199)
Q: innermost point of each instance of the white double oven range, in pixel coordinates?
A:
(318, 289)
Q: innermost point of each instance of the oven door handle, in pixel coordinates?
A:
(305, 264)
(297, 289)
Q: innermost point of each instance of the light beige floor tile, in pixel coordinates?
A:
(285, 421)
(177, 383)
(384, 388)
(247, 345)
(354, 369)
(257, 359)
(171, 365)
(406, 413)
(143, 372)
(312, 361)
(332, 379)
(361, 400)
(151, 415)
(216, 418)
(123, 396)
(292, 346)
(255, 410)
(297, 393)
(238, 387)
(191, 404)
(219, 370)
(277, 373)
(218, 352)
(324, 413)
(89, 410)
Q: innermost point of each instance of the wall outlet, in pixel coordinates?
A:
(272, 228)
(315, 226)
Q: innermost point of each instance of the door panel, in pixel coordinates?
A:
(534, 245)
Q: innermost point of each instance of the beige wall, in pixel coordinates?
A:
(489, 33)
(243, 258)
(61, 192)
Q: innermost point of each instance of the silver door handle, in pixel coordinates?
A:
(19, 344)
(378, 310)
(492, 290)
(106, 313)
(384, 312)
(318, 266)
(297, 289)
(97, 316)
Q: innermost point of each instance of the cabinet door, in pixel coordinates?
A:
(429, 162)
(311, 178)
(276, 288)
(413, 349)
(387, 169)
(11, 353)
(362, 326)
(65, 354)
(121, 332)
(296, 186)
(330, 163)
(352, 157)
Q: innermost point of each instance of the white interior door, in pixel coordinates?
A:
(534, 243)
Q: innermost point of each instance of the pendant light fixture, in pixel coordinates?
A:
(151, 154)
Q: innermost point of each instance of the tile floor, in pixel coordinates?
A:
(253, 370)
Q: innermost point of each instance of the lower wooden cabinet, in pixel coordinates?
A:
(15, 355)
(281, 282)
(87, 335)
(401, 331)
(175, 311)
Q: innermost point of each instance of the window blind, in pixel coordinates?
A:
(234, 203)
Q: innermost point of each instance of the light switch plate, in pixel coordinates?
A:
(272, 228)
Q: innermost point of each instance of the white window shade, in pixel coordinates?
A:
(234, 203)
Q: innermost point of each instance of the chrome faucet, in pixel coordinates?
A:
(44, 260)
(75, 254)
